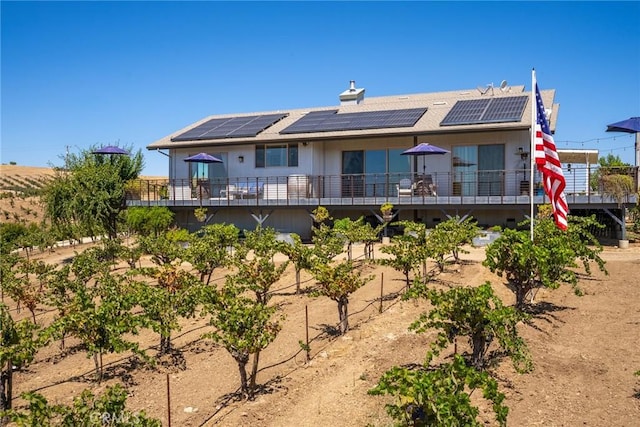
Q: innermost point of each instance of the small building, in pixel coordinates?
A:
(277, 166)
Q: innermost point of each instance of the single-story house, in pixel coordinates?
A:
(278, 166)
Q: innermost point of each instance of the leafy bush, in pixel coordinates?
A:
(337, 281)
(479, 315)
(18, 346)
(547, 261)
(86, 410)
(448, 237)
(149, 221)
(439, 396)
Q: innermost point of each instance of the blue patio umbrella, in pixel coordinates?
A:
(424, 149)
(631, 125)
(110, 149)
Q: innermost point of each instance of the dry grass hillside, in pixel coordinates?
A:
(19, 186)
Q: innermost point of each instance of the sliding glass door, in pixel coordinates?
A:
(372, 173)
(478, 170)
(353, 173)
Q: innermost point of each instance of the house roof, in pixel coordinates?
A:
(438, 104)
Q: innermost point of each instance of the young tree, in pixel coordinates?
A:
(10, 235)
(547, 261)
(257, 270)
(175, 295)
(356, 231)
(243, 326)
(86, 410)
(18, 345)
(610, 164)
(479, 315)
(618, 187)
(300, 255)
(246, 324)
(439, 396)
(25, 284)
(326, 242)
(449, 237)
(406, 250)
(101, 318)
(149, 221)
(337, 281)
(90, 191)
(211, 247)
(167, 247)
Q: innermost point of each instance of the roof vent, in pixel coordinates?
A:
(352, 95)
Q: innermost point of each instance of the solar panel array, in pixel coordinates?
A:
(230, 127)
(327, 121)
(486, 110)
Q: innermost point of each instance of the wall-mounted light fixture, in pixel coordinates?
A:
(241, 159)
(305, 143)
(569, 167)
(523, 154)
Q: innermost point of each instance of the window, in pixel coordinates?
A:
(276, 155)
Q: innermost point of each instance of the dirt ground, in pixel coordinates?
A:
(585, 350)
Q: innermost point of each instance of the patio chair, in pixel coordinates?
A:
(229, 192)
(405, 187)
(430, 186)
(426, 187)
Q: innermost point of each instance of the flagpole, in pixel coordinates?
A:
(532, 148)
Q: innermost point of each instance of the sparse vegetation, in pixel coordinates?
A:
(547, 261)
(101, 310)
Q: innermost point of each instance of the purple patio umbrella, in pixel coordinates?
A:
(202, 158)
(631, 125)
(110, 149)
(424, 149)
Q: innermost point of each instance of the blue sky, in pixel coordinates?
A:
(76, 74)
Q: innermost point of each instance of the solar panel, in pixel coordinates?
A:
(486, 110)
(230, 127)
(466, 112)
(505, 109)
(309, 122)
(331, 120)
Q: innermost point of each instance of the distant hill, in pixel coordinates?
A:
(19, 185)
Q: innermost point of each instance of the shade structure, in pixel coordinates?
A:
(424, 149)
(457, 161)
(110, 149)
(202, 158)
(202, 187)
(631, 125)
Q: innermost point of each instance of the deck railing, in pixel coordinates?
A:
(497, 186)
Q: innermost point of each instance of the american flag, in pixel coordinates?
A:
(548, 164)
